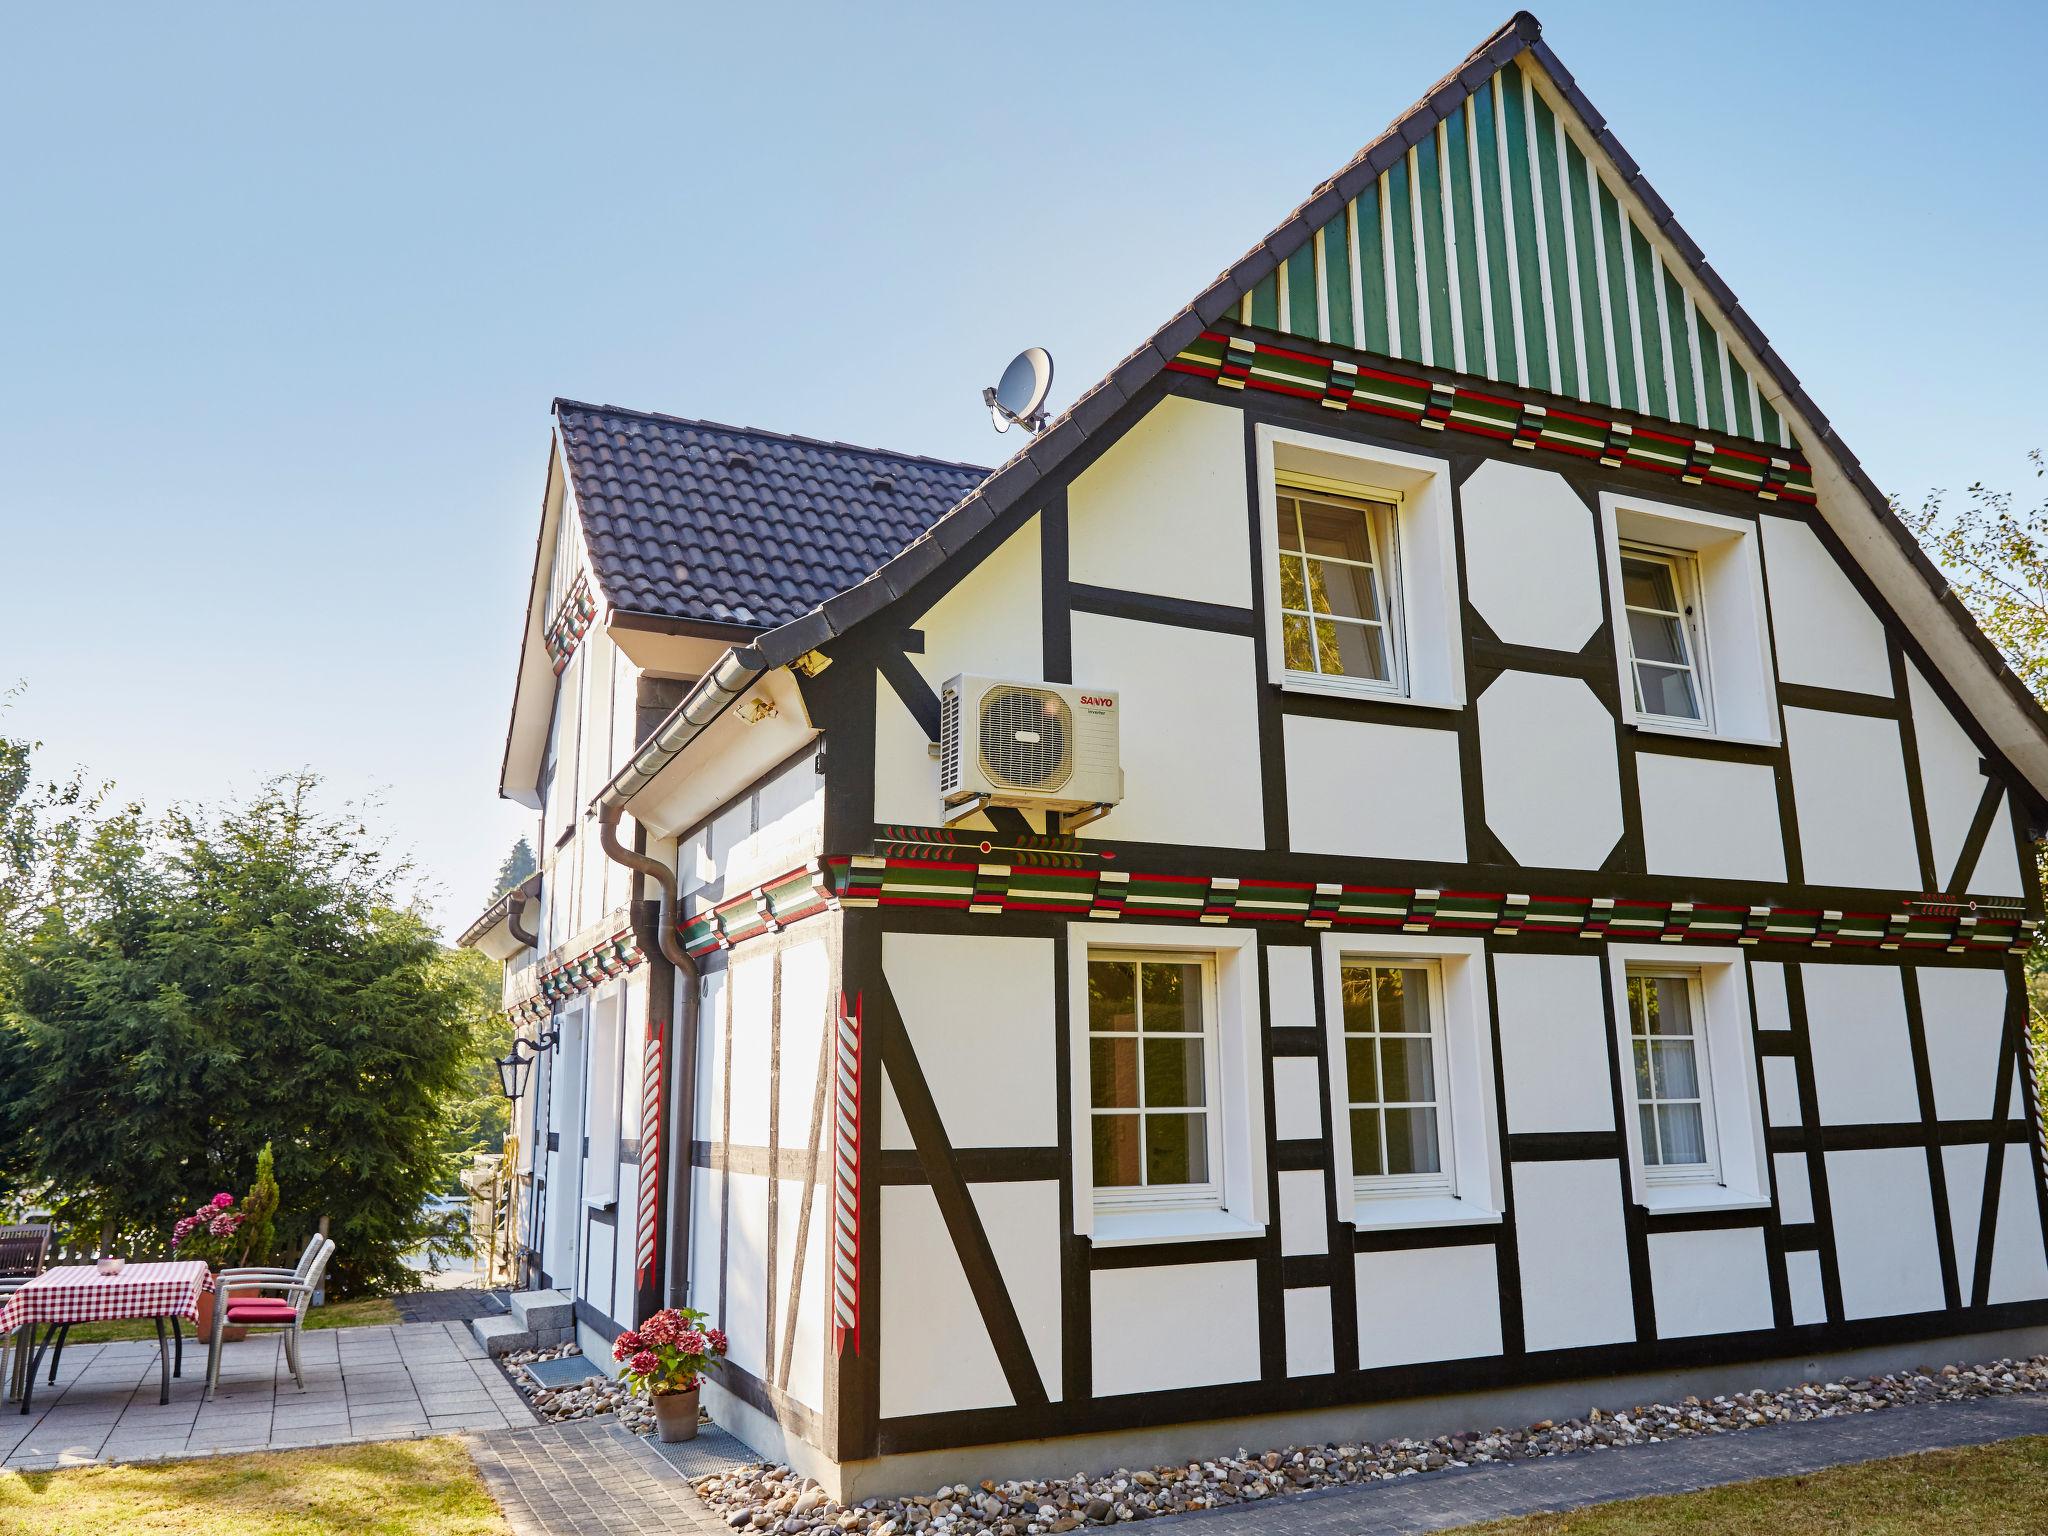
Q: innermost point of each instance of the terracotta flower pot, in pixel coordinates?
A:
(232, 1334)
(675, 1415)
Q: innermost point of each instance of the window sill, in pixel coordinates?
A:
(1695, 733)
(1393, 1212)
(1660, 1199)
(1124, 1229)
(1332, 689)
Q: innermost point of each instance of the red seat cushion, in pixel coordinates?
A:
(261, 1312)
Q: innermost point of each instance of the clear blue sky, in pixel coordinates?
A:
(285, 292)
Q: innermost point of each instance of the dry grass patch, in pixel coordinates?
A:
(395, 1488)
(1989, 1490)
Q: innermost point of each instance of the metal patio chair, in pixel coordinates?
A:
(279, 1306)
(24, 1251)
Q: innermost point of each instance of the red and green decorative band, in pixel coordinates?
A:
(1342, 384)
(946, 876)
(561, 979)
(570, 623)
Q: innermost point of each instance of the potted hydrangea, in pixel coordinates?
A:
(213, 1235)
(666, 1357)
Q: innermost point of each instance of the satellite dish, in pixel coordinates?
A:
(1020, 397)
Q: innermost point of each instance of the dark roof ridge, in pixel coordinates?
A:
(561, 401)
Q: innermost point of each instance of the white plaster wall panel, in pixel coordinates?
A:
(1163, 510)
(1710, 1282)
(2019, 1262)
(1802, 1279)
(596, 1287)
(1827, 635)
(1373, 791)
(1885, 1244)
(1304, 1215)
(805, 1330)
(1862, 1054)
(1142, 1320)
(710, 1056)
(806, 976)
(705, 1276)
(627, 1253)
(1532, 561)
(1950, 779)
(1553, 1042)
(1713, 820)
(1428, 1304)
(1781, 1090)
(1795, 1188)
(938, 1358)
(979, 1011)
(746, 1270)
(1573, 1251)
(1963, 1010)
(1547, 766)
(1297, 1098)
(1998, 866)
(906, 774)
(1311, 1345)
(1023, 1225)
(993, 622)
(895, 1130)
(1767, 989)
(752, 981)
(1190, 731)
(1290, 986)
(2015, 1101)
(1849, 791)
(1962, 1171)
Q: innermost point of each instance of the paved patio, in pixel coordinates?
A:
(361, 1384)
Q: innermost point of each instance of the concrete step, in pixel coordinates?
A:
(543, 1311)
(500, 1335)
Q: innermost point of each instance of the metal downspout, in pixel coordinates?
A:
(683, 1082)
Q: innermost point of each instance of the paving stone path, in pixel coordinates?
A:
(361, 1384)
(595, 1479)
(592, 1478)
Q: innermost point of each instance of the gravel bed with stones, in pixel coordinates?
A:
(596, 1396)
(775, 1499)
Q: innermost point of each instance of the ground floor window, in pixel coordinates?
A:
(1674, 1104)
(1394, 1076)
(1151, 1069)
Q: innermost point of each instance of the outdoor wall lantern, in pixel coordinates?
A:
(516, 1065)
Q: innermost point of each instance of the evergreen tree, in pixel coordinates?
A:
(519, 863)
(192, 989)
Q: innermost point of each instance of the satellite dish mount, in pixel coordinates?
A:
(1020, 398)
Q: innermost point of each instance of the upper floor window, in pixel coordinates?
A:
(1361, 569)
(1691, 638)
(1337, 581)
(1674, 1096)
(1660, 591)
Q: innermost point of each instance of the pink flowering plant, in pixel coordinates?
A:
(670, 1352)
(212, 1232)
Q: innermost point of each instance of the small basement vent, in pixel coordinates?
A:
(1027, 738)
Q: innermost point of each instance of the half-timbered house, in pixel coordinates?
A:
(1555, 929)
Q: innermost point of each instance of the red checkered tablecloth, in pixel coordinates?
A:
(79, 1293)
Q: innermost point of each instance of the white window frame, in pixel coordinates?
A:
(1691, 615)
(1373, 1186)
(1708, 1170)
(602, 1085)
(1237, 1207)
(1472, 1190)
(1381, 511)
(1728, 1077)
(1425, 636)
(1208, 1194)
(1730, 633)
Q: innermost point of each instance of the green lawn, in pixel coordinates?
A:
(368, 1312)
(397, 1488)
(1989, 1490)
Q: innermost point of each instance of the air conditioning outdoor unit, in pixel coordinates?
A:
(1034, 746)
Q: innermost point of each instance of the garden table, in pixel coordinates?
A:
(79, 1293)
